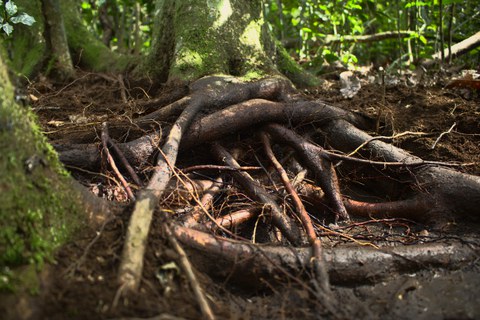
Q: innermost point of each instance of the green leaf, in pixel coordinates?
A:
(11, 8)
(23, 18)
(7, 28)
(416, 4)
(422, 39)
(86, 5)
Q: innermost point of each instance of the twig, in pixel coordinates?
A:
(216, 167)
(386, 137)
(123, 90)
(198, 201)
(111, 161)
(257, 192)
(188, 269)
(442, 134)
(321, 166)
(318, 259)
(124, 161)
(381, 71)
(205, 203)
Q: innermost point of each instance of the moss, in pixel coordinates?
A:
(37, 210)
(293, 71)
(197, 49)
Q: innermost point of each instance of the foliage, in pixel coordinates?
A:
(9, 15)
(305, 25)
(123, 25)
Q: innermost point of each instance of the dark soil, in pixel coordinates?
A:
(82, 283)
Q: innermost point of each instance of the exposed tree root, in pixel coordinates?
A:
(257, 192)
(131, 266)
(218, 107)
(346, 264)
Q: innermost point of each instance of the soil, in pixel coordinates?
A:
(82, 283)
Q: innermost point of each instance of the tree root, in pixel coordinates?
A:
(246, 262)
(256, 191)
(431, 191)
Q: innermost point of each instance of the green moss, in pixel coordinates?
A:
(197, 49)
(293, 71)
(37, 210)
(253, 75)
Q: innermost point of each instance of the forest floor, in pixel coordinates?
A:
(82, 282)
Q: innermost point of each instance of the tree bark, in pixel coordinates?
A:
(57, 39)
(192, 40)
(39, 209)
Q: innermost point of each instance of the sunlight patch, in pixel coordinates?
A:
(224, 9)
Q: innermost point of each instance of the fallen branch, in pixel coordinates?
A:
(458, 49)
(331, 39)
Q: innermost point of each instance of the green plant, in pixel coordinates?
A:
(9, 16)
(319, 31)
(109, 20)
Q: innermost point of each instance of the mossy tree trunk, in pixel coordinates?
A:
(38, 210)
(197, 38)
(57, 39)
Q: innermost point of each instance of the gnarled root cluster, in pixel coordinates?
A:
(277, 182)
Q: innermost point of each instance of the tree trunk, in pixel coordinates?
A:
(37, 212)
(41, 207)
(57, 39)
(192, 40)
